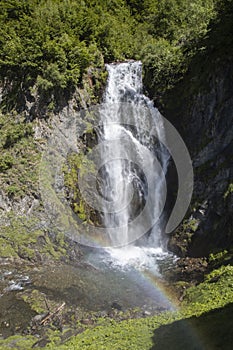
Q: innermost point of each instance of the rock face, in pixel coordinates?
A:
(32, 176)
(201, 108)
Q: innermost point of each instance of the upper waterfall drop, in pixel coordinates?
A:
(124, 81)
(135, 162)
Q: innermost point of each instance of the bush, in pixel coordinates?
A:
(50, 44)
(163, 63)
(6, 162)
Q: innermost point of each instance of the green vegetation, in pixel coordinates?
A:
(218, 256)
(78, 165)
(19, 166)
(228, 191)
(36, 300)
(203, 316)
(214, 292)
(48, 46)
(224, 257)
(17, 342)
(176, 28)
(183, 236)
(21, 237)
(19, 157)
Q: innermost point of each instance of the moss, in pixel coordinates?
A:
(214, 292)
(19, 165)
(18, 342)
(56, 248)
(181, 285)
(190, 225)
(218, 256)
(6, 162)
(89, 128)
(125, 335)
(54, 338)
(6, 248)
(182, 236)
(228, 191)
(19, 157)
(20, 239)
(224, 257)
(36, 300)
(78, 165)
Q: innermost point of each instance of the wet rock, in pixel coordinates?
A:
(66, 334)
(87, 321)
(214, 279)
(15, 315)
(116, 306)
(41, 343)
(38, 318)
(102, 314)
(188, 270)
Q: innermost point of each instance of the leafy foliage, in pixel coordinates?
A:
(180, 21)
(50, 44)
(176, 26)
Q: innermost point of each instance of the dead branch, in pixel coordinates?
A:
(51, 315)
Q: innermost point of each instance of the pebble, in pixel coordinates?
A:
(38, 318)
(147, 313)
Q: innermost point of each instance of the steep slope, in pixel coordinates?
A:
(201, 108)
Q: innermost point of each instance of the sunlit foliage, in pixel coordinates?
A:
(49, 44)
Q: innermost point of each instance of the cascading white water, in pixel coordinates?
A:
(133, 181)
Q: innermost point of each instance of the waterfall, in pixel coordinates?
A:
(133, 183)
